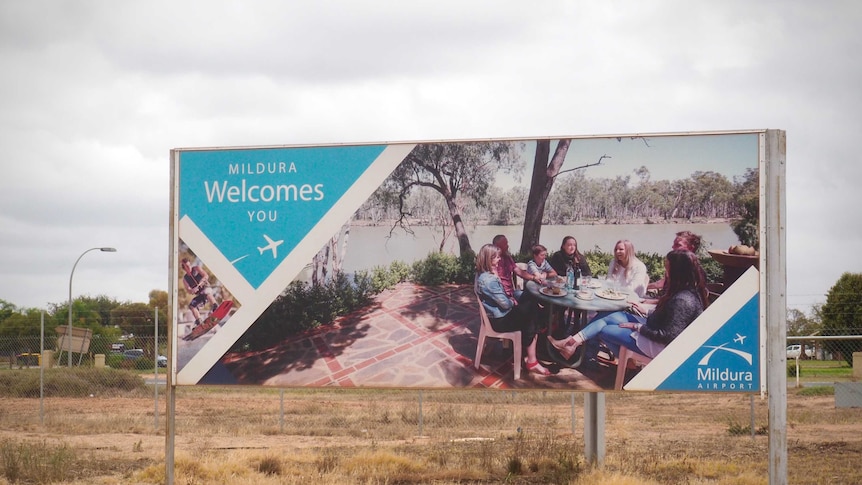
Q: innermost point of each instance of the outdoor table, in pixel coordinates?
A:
(581, 306)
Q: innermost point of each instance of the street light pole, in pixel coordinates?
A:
(69, 335)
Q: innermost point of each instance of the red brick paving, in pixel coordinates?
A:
(417, 337)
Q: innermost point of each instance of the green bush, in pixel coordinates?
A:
(114, 360)
(714, 271)
(383, 277)
(466, 268)
(598, 261)
(303, 306)
(436, 269)
(791, 368)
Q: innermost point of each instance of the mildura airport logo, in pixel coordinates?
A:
(722, 368)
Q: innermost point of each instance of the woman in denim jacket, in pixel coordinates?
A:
(504, 313)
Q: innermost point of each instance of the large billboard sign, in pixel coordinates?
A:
(260, 234)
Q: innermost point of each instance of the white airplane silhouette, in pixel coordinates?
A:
(740, 338)
(273, 245)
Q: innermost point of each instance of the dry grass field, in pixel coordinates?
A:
(230, 435)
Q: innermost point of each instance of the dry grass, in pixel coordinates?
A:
(333, 436)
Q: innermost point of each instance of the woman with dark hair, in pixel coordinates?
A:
(504, 312)
(569, 257)
(684, 300)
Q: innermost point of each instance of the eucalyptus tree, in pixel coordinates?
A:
(455, 171)
(746, 196)
(546, 169)
(800, 324)
(712, 194)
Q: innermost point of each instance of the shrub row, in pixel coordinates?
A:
(70, 382)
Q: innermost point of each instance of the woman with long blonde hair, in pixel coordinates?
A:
(504, 312)
(627, 270)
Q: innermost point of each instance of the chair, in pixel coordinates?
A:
(519, 282)
(623, 359)
(486, 331)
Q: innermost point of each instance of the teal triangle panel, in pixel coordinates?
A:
(728, 361)
(238, 196)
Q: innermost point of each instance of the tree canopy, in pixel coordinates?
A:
(842, 314)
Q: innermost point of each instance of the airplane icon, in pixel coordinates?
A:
(740, 338)
(271, 246)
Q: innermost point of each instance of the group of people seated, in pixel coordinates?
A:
(647, 327)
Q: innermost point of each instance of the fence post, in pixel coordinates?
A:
(156, 370)
(42, 370)
(420, 413)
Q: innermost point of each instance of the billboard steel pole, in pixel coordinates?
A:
(776, 302)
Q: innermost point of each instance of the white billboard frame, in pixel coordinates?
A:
(772, 283)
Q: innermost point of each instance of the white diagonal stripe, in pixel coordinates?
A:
(254, 304)
(693, 338)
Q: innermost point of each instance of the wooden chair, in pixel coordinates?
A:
(486, 331)
(623, 361)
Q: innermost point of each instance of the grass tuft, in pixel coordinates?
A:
(269, 465)
(736, 429)
(817, 391)
(34, 462)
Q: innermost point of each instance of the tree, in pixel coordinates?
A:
(545, 172)
(842, 315)
(6, 310)
(747, 196)
(135, 318)
(159, 299)
(800, 324)
(453, 170)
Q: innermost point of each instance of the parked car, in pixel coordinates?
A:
(162, 361)
(118, 348)
(29, 359)
(133, 353)
(795, 351)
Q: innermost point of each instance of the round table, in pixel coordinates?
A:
(582, 306)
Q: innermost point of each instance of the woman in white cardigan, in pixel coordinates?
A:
(626, 270)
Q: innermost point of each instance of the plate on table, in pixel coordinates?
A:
(550, 291)
(611, 295)
(584, 295)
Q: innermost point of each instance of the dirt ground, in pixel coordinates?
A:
(115, 440)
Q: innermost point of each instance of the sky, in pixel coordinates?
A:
(94, 95)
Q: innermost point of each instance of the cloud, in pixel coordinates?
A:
(96, 94)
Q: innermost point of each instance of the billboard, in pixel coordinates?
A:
(353, 265)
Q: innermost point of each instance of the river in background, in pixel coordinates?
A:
(370, 246)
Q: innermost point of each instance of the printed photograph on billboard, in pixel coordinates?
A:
(586, 263)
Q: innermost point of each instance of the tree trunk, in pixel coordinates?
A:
(458, 223)
(544, 174)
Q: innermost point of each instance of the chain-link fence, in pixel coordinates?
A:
(813, 360)
(810, 361)
(116, 386)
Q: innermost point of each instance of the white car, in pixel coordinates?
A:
(795, 351)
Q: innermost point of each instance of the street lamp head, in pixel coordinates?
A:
(72, 275)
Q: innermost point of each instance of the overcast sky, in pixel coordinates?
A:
(95, 94)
